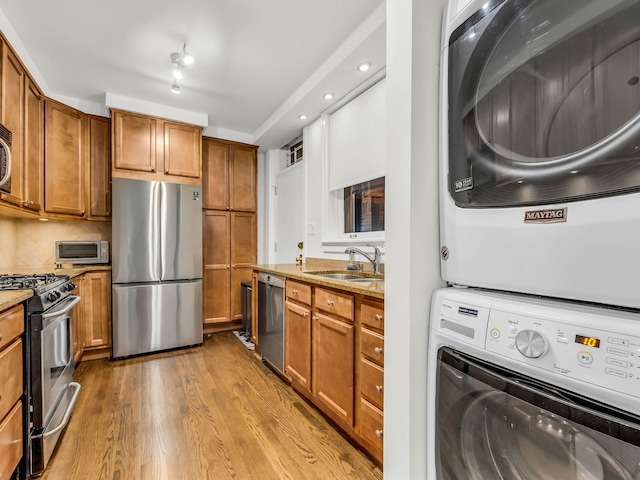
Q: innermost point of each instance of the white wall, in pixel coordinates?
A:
(412, 238)
(312, 140)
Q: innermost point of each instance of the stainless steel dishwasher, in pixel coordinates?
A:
(271, 319)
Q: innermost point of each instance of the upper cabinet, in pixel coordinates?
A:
(99, 179)
(22, 114)
(64, 160)
(151, 148)
(229, 175)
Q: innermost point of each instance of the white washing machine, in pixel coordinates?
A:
(527, 388)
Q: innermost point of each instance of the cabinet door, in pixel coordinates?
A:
(64, 160)
(298, 345)
(135, 142)
(96, 288)
(243, 178)
(99, 182)
(78, 319)
(13, 119)
(182, 149)
(243, 255)
(33, 146)
(216, 228)
(332, 372)
(215, 179)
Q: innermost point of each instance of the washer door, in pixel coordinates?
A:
(495, 424)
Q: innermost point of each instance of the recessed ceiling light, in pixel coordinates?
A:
(175, 88)
(574, 171)
(43, 219)
(364, 67)
(520, 181)
(328, 96)
(177, 73)
(302, 117)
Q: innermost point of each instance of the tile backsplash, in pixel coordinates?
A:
(7, 244)
(35, 240)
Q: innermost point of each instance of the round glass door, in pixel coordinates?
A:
(544, 102)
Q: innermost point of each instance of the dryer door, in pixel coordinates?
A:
(544, 102)
(497, 424)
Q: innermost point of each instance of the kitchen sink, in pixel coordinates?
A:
(350, 277)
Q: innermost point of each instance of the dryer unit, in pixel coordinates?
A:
(540, 147)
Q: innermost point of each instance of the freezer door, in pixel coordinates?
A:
(154, 317)
(181, 232)
(135, 231)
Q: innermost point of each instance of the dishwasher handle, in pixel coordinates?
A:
(271, 279)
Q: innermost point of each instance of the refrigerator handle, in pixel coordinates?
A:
(162, 226)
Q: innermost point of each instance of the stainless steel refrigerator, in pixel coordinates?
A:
(157, 266)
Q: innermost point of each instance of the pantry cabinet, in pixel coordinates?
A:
(64, 160)
(229, 233)
(11, 389)
(151, 148)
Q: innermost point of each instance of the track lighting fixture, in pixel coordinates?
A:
(179, 60)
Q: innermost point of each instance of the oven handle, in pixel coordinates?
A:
(67, 413)
(66, 305)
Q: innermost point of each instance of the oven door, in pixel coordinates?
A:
(494, 423)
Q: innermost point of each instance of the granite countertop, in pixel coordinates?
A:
(9, 298)
(306, 274)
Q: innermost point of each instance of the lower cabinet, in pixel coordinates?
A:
(92, 316)
(334, 356)
(11, 389)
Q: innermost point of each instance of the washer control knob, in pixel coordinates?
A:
(530, 343)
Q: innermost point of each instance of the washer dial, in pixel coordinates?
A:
(530, 343)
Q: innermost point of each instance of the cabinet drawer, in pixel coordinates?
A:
(372, 314)
(11, 441)
(371, 422)
(11, 386)
(372, 382)
(11, 325)
(300, 292)
(335, 303)
(372, 346)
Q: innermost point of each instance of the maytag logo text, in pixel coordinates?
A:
(554, 215)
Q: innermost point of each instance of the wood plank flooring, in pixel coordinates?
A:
(211, 412)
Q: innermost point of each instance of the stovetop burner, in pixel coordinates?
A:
(33, 282)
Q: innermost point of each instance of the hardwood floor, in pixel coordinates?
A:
(212, 412)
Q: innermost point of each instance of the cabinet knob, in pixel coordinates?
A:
(228, 267)
(315, 317)
(379, 317)
(305, 314)
(166, 172)
(83, 212)
(329, 302)
(228, 208)
(379, 433)
(378, 350)
(294, 291)
(378, 388)
(153, 170)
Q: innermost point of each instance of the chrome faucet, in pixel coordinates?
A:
(375, 260)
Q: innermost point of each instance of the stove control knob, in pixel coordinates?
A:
(56, 294)
(530, 343)
(50, 297)
(71, 286)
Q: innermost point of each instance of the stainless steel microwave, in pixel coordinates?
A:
(5, 160)
(82, 252)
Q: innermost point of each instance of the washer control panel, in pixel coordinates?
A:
(596, 350)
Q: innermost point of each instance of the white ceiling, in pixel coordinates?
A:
(257, 62)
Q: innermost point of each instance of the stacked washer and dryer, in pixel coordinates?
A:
(534, 349)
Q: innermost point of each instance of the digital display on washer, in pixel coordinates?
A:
(588, 341)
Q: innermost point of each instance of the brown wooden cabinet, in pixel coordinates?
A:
(22, 115)
(64, 160)
(99, 171)
(230, 234)
(229, 252)
(151, 148)
(298, 315)
(92, 316)
(12, 388)
(229, 175)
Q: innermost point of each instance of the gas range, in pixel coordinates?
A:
(48, 288)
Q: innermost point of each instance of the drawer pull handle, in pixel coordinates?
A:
(378, 388)
(378, 350)
(329, 302)
(295, 292)
(379, 433)
(378, 317)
